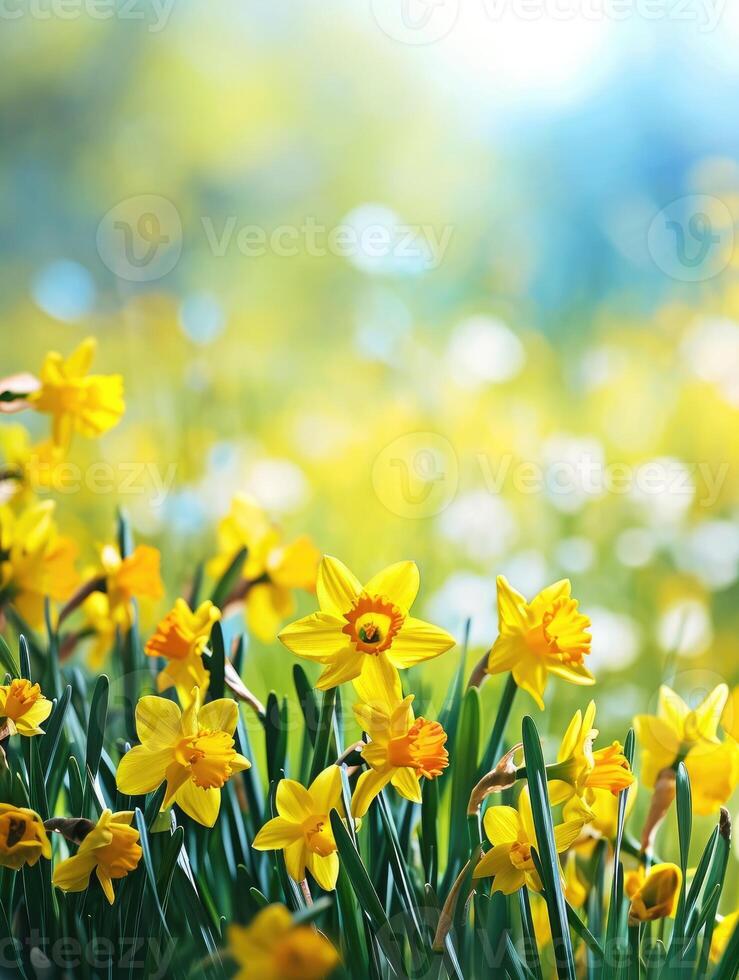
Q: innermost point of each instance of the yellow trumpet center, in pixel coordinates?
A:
(122, 854)
(372, 623)
(22, 696)
(317, 838)
(208, 755)
(562, 633)
(521, 856)
(421, 748)
(610, 770)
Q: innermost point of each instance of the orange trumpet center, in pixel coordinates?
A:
(421, 748)
(316, 837)
(562, 633)
(208, 756)
(611, 770)
(372, 623)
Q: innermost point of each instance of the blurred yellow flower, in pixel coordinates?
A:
(579, 770)
(601, 818)
(576, 891)
(99, 622)
(181, 637)
(730, 716)
(23, 707)
(512, 834)
(193, 751)
(722, 934)
(134, 577)
(365, 630)
(678, 732)
(272, 947)
(303, 829)
(23, 837)
(548, 635)
(78, 402)
(403, 750)
(111, 849)
(35, 561)
(653, 895)
(272, 569)
(26, 468)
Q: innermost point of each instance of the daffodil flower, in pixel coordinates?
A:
(677, 733)
(23, 837)
(181, 637)
(193, 751)
(512, 834)
(272, 571)
(722, 934)
(136, 576)
(36, 562)
(23, 707)
(365, 630)
(302, 830)
(654, 895)
(580, 770)
(77, 401)
(402, 750)
(548, 635)
(273, 947)
(111, 849)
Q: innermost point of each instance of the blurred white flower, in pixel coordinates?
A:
(711, 551)
(466, 596)
(574, 555)
(711, 351)
(527, 571)
(574, 470)
(664, 489)
(685, 628)
(616, 640)
(483, 350)
(480, 524)
(635, 547)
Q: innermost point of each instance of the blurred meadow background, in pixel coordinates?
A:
(461, 290)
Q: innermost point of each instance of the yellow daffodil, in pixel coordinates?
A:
(303, 829)
(36, 562)
(23, 707)
(111, 849)
(26, 468)
(193, 751)
(576, 891)
(653, 895)
(365, 630)
(273, 947)
(512, 834)
(181, 637)
(23, 837)
(722, 934)
(601, 814)
(580, 770)
(272, 570)
(677, 733)
(78, 402)
(134, 577)
(100, 623)
(730, 716)
(402, 750)
(548, 635)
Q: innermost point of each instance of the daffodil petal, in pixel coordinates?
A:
(406, 782)
(142, 770)
(158, 721)
(293, 801)
(325, 790)
(399, 583)
(344, 666)
(501, 824)
(369, 785)
(106, 883)
(295, 855)
(315, 637)
(418, 641)
(336, 587)
(220, 715)
(277, 834)
(496, 861)
(565, 834)
(200, 804)
(325, 869)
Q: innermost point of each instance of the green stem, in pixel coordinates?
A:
(492, 753)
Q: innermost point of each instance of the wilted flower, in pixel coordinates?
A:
(111, 849)
(181, 637)
(512, 834)
(23, 838)
(273, 947)
(193, 751)
(365, 630)
(303, 829)
(677, 733)
(78, 402)
(23, 707)
(36, 562)
(653, 895)
(402, 750)
(272, 569)
(545, 636)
